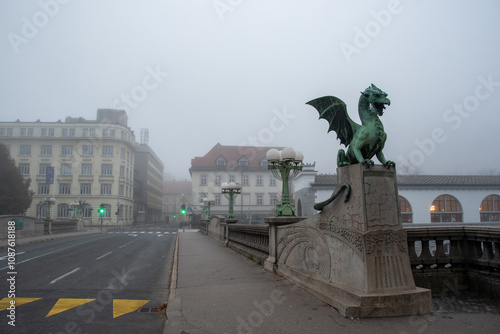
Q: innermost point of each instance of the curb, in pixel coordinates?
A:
(176, 323)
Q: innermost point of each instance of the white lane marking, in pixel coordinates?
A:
(6, 256)
(36, 257)
(128, 243)
(67, 274)
(100, 257)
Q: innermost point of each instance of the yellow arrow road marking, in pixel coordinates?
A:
(124, 306)
(5, 303)
(64, 304)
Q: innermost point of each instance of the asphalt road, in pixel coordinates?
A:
(103, 283)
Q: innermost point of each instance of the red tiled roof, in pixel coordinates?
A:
(232, 154)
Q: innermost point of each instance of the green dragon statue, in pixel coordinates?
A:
(362, 141)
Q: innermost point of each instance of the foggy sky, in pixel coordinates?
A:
(201, 72)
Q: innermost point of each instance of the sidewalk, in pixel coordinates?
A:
(216, 290)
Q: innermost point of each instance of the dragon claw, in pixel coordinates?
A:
(390, 164)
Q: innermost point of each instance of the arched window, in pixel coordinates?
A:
(107, 213)
(489, 211)
(87, 211)
(62, 210)
(446, 209)
(406, 212)
(41, 210)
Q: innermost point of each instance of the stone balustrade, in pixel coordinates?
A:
(443, 258)
(455, 257)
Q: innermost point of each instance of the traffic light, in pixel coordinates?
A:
(102, 209)
(183, 209)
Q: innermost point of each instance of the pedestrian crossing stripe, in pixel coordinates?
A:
(5, 302)
(124, 306)
(64, 304)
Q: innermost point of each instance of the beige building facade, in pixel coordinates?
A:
(93, 162)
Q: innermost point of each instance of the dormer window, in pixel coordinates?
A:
(221, 161)
(264, 162)
(243, 161)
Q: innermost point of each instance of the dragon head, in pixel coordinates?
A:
(377, 98)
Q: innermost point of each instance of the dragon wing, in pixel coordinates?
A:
(334, 110)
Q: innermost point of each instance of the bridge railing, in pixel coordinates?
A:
(442, 257)
(455, 257)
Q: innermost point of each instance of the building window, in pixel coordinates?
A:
(87, 211)
(85, 188)
(111, 133)
(105, 133)
(44, 132)
(51, 132)
(218, 180)
(105, 188)
(62, 210)
(66, 169)
(87, 150)
(446, 209)
(43, 189)
(64, 188)
(258, 180)
(42, 169)
(243, 161)
(245, 180)
(122, 153)
(107, 150)
(217, 198)
(85, 132)
(106, 169)
(489, 211)
(24, 149)
(221, 161)
(24, 168)
(273, 199)
(45, 149)
(406, 213)
(27, 132)
(86, 169)
(64, 132)
(232, 179)
(264, 162)
(72, 132)
(122, 171)
(67, 150)
(272, 180)
(121, 190)
(107, 211)
(259, 198)
(203, 179)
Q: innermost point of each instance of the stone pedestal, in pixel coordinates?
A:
(353, 255)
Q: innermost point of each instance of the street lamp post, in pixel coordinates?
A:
(231, 190)
(49, 201)
(206, 208)
(285, 166)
